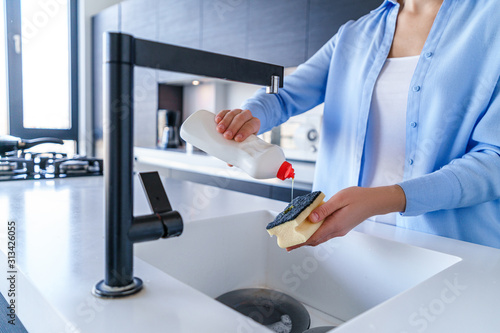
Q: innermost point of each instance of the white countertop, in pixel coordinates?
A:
(208, 165)
(60, 253)
(60, 256)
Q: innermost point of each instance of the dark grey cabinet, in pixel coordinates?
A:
(277, 31)
(225, 26)
(107, 20)
(179, 22)
(139, 18)
(326, 17)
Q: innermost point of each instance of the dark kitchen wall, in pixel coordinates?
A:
(284, 32)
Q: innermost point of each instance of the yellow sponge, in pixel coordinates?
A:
(292, 226)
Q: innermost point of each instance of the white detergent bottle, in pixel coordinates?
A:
(256, 157)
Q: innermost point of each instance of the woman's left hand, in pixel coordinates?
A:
(351, 206)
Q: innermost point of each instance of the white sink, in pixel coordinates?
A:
(341, 278)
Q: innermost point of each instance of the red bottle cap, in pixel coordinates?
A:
(285, 171)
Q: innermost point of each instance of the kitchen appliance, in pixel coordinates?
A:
(18, 164)
(306, 138)
(168, 128)
(47, 166)
(10, 144)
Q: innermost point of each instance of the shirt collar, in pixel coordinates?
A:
(394, 2)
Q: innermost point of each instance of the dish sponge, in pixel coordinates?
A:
(292, 226)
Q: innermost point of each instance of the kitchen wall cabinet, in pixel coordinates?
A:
(277, 31)
(179, 23)
(107, 20)
(139, 18)
(224, 27)
(326, 16)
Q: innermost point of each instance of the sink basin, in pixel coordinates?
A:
(337, 280)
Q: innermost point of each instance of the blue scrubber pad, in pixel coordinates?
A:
(294, 208)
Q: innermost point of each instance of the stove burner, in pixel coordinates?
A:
(48, 165)
(6, 166)
(78, 166)
(15, 166)
(72, 166)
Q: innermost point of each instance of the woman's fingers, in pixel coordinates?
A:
(345, 210)
(226, 117)
(219, 116)
(250, 127)
(323, 211)
(333, 226)
(330, 211)
(236, 124)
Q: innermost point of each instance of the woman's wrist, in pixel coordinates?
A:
(385, 200)
(394, 199)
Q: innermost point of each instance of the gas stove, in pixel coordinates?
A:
(47, 166)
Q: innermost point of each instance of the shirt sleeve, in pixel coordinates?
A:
(472, 179)
(302, 90)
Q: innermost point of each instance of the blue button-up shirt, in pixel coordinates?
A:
(452, 163)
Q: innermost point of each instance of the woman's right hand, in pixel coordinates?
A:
(237, 124)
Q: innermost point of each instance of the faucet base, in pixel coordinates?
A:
(104, 291)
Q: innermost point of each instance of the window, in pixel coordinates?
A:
(3, 73)
(42, 68)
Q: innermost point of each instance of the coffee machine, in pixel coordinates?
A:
(168, 123)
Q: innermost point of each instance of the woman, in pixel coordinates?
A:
(411, 125)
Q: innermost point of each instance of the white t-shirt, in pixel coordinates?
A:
(386, 135)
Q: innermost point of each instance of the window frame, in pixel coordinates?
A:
(15, 76)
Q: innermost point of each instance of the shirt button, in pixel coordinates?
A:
(413, 124)
(410, 161)
(428, 54)
(416, 88)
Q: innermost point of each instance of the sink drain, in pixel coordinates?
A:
(321, 329)
(273, 309)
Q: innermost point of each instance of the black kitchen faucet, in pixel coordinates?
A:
(122, 53)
